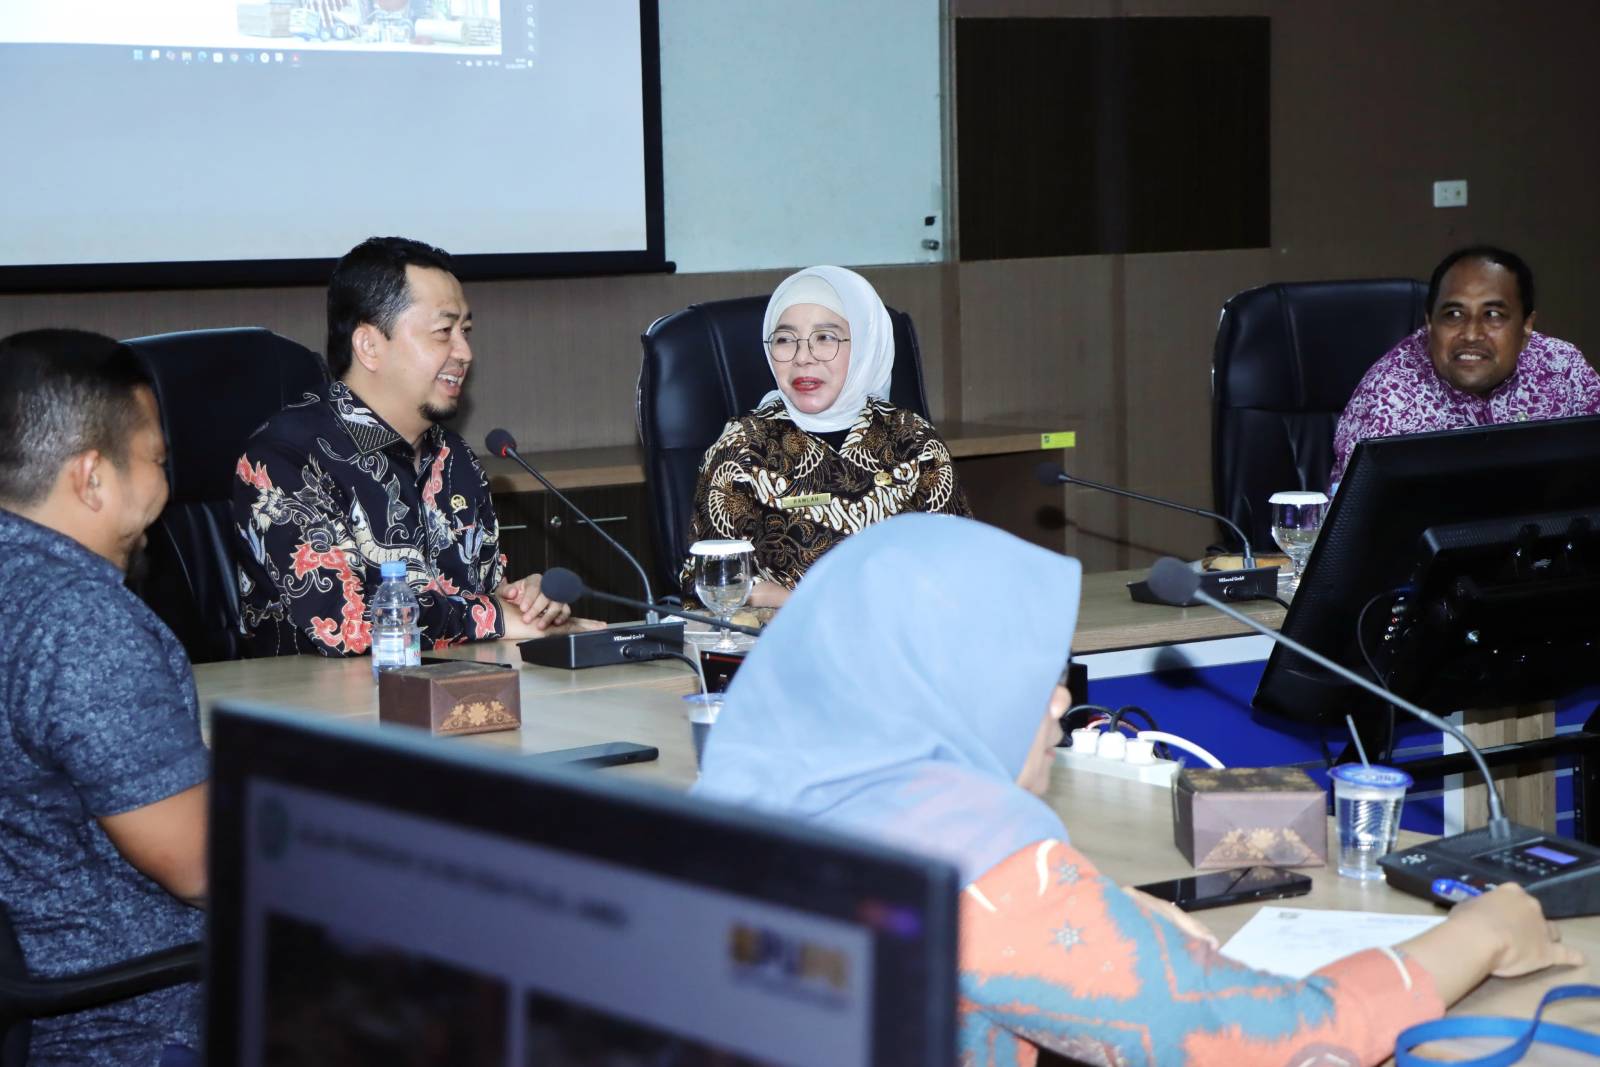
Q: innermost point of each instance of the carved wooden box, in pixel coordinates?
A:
(452, 698)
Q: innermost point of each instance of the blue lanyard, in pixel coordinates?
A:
(1525, 1033)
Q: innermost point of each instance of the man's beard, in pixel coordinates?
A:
(439, 414)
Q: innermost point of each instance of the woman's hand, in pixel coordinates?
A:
(1510, 919)
(768, 595)
(1502, 933)
(1173, 914)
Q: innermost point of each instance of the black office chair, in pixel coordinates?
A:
(703, 366)
(215, 388)
(24, 998)
(1287, 358)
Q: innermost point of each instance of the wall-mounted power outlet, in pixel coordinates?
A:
(1450, 194)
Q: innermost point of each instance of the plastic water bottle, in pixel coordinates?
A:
(396, 637)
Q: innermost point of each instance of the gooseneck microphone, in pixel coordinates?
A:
(1249, 583)
(1563, 874)
(565, 585)
(1174, 582)
(1053, 474)
(501, 443)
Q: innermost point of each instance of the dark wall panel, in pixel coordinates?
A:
(1084, 136)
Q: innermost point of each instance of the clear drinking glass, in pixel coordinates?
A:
(723, 575)
(1296, 519)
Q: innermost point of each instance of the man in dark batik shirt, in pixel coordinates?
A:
(332, 488)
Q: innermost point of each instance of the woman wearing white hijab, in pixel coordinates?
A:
(825, 454)
(870, 707)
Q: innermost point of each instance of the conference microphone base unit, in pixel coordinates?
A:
(1562, 873)
(619, 643)
(1256, 583)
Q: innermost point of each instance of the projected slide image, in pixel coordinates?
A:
(463, 27)
(335, 1000)
(561, 1034)
(471, 26)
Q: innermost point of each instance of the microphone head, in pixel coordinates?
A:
(561, 584)
(1049, 473)
(1173, 582)
(500, 442)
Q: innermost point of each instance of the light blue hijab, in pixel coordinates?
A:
(897, 693)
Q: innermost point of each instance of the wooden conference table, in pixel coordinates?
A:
(1125, 827)
(639, 702)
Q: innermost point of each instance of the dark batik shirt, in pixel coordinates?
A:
(326, 493)
(794, 495)
(100, 719)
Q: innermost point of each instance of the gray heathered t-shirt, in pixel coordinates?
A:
(100, 718)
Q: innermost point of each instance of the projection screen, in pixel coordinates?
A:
(213, 142)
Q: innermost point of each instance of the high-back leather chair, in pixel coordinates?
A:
(703, 366)
(215, 387)
(1287, 358)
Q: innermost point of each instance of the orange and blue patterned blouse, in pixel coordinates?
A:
(1054, 956)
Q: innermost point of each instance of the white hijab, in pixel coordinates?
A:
(871, 341)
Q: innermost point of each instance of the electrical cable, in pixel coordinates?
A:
(1150, 724)
(1178, 742)
(1089, 711)
(1361, 634)
(1372, 667)
(643, 653)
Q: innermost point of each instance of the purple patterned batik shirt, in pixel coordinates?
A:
(1401, 393)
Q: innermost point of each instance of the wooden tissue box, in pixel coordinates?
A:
(447, 699)
(1244, 816)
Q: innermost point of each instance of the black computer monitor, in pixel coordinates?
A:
(1428, 524)
(378, 898)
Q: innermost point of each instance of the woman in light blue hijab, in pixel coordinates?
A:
(859, 708)
(909, 693)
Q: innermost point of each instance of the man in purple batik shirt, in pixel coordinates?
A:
(1477, 362)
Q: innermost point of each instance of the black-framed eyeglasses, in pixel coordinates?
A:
(784, 345)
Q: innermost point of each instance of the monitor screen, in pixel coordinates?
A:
(210, 142)
(379, 898)
(1374, 555)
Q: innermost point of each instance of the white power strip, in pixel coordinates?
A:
(1161, 772)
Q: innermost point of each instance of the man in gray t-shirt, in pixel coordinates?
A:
(102, 769)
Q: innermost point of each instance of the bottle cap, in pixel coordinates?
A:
(394, 568)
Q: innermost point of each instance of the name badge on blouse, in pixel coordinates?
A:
(805, 500)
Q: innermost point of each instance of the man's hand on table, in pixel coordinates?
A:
(529, 613)
(516, 630)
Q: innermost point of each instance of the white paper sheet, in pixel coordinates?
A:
(1296, 941)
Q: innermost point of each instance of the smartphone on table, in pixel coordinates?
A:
(1215, 889)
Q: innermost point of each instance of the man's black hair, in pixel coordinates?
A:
(62, 393)
(369, 286)
(1488, 254)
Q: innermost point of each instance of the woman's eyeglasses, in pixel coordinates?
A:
(784, 345)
